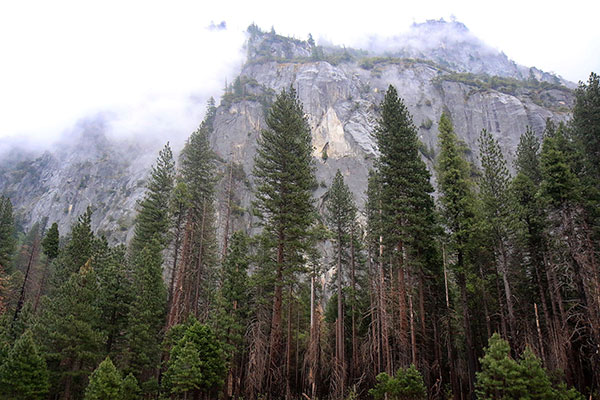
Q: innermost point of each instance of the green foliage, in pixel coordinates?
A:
(152, 221)
(196, 362)
(586, 125)
(406, 385)
(105, 383)
(78, 250)
(114, 294)
(528, 161)
(7, 227)
(147, 311)
(340, 210)
(284, 170)
(502, 377)
(560, 184)
(532, 87)
(426, 123)
(130, 389)
(70, 334)
(51, 242)
(406, 200)
(456, 188)
(24, 375)
(234, 295)
(494, 190)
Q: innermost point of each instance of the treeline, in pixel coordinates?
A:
(491, 290)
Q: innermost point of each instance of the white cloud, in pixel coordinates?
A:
(63, 60)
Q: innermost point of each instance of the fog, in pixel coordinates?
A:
(151, 65)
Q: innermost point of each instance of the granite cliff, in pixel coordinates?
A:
(437, 66)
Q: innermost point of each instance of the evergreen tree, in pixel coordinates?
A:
(458, 209)
(24, 375)
(284, 171)
(495, 196)
(50, 247)
(527, 153)
(105, 383)
(560, 185)
(70, 331)
(406, 385)
(152, 221)
(194, 277)
(586, 126)
(196, 364)
(405, 194)
(77, 251)
(130, 389)
(231, 319)
(146, 312)
(51, 242)
(503, 377)
(500, 376)
(341, 220)
(7, 242)
(114, 294)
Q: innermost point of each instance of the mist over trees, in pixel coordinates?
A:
(490, 290)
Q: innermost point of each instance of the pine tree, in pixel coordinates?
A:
(284, 171)
(196, 364)
(406, 385)
(458, 209)
(7, 243)
(407, 212)
(233, 301)
(114, 294)
(105, 383)
(78, 250)
(152, 221)
(50, 248)
(146, 312)
(195, 275)
(130, 389)
(586, 126)
(500, 376)
(341, 218)
(71, 332)
(24, 375)
(495, 196)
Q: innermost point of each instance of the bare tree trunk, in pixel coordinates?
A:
(354, 369)
(199, 262)
(413, 338)
(275, 335)
(339, 323)
(288, 350)
(32, 256)
(507, 292)
(462, 283)
(449, 350)
(228, 212)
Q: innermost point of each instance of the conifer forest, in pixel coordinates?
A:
(464, 277)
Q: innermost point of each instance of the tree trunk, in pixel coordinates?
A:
(21, 301)
(275, 334)
(354, 370)
(339, 337)
(467, 326)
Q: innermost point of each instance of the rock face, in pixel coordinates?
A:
(340, 90)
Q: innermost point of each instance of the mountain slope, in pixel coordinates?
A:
(340, 89)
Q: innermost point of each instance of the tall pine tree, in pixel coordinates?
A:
(284, 171)
(458, 209)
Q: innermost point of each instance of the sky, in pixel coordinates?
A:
(153, 64)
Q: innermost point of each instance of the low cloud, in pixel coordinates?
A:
(149, 77)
